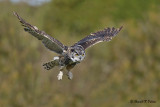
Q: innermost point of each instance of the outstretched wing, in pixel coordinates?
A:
(100, 36)
(48, 41)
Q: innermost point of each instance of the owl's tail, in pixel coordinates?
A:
(50, 65)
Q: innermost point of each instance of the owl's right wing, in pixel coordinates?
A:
(48, 41)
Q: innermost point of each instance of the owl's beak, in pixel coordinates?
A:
(80, 58)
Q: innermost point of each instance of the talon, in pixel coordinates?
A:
(70, 75)
(59, 76)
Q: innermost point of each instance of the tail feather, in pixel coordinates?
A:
(50, 65)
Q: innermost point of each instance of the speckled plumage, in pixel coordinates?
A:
(69, 56)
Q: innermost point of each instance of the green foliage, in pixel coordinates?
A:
(134, 9)
(112, 74)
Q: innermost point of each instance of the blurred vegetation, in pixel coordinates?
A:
(112, 74)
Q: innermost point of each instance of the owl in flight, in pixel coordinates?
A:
(69, 56)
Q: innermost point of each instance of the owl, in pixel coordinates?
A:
(69, 56)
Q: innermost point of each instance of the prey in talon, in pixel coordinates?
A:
(69, 56)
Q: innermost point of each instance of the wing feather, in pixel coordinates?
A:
(100, 36)
(48, 41)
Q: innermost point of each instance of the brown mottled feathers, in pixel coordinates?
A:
(56, 46)
(100, 36)
(49, 42)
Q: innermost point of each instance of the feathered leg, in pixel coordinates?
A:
(69, 73)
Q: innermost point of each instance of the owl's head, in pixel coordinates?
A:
(77, 53)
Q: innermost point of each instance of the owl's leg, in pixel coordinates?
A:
(60, 75)
(69, 73)
(51, 64)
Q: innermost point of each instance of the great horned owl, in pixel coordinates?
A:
(69, 56)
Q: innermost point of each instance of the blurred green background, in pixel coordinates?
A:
(112, 74)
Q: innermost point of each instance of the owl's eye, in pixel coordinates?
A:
(76, 54)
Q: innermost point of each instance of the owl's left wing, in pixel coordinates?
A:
(100, 36)
(48, 41)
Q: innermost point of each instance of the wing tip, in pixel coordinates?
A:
(15, 13)
(120, 28)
